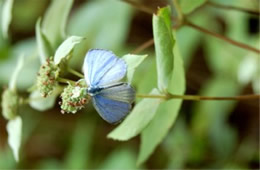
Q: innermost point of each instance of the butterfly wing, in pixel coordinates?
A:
(114, 103)
(102, 67)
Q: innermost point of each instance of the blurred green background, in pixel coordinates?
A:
(207, 134)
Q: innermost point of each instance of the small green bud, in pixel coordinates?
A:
(10, 104)
(47, 77)
(74, 97)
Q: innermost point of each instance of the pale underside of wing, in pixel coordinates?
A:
(114, 103)
(102, 67)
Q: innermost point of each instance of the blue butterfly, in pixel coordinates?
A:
(103, 70)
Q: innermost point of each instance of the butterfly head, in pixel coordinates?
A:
(93, 90)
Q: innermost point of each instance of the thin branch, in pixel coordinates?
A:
(140, 7)
(233, 42)
(64, 80)
(143, 46)
(178, 9)
(227, 7)
(75, 72)
(152, 96)
(203, 30)
(198, 98)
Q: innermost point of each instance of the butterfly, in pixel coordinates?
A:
(112, 99)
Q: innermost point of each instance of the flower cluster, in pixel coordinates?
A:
(74, 97)
(47, 77)
(10, 104)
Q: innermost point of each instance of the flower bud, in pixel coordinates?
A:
(47, 77)
(10, 104)
(74, 97)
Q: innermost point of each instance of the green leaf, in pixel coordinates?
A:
(133, 61)
(188, 6)
(42, 104)
(79, 154)
(164, 43)
(216, 55)
(144, 84)
(14, 129)
(27, 76)
(126, 156)
(208, 112)
(55, 20)
(44, 47)
(7, 16)
(137, 120)
(178, 145)
(6, 159)
(66, 47)
(101, 31)
(12, 83)
(248, 69)
(256, 82)
(210, 116)
(166, 114)
(177, 83)
(187, 39)
(155, 132)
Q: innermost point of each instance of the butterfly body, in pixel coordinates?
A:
(92, 91)
(103, 71)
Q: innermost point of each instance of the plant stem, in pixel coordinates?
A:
(75, 72)
(64, 80)
(143, 46)
(198, 98)
(139, 6)
(226, 7)
(178, 9)
(152, 96)
(185, 22)
(233, 42)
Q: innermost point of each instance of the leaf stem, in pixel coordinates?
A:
(198, 98)
(233, 42)
(72, 71)
(227, 7)
(178, 10)
(185, 22)
(143, 46)
(64, 80)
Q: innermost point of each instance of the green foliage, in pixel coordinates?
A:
(44, 46)
(7, 16)
(188, 6)
(166, 114)
(42, 104)
(164, 43)
(102, 31)
(13, 80)
(10, 98)
(127, 159)
(207, 134)
(212, 116)
(55, 20)
(66, 48)
(14, 129)
(10, 104)
(80, 146)
(27, 74)
(132, 61)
